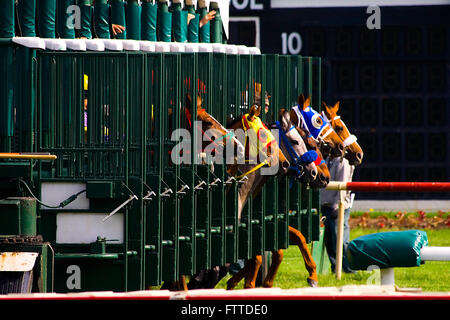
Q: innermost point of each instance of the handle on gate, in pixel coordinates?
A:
(131, 198)
(149, 195)
(230, 180)
(184, 187)
(243, 179)
(166, 193)
(199, 186)
(215, 182)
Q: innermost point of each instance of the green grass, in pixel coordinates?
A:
(432, 276)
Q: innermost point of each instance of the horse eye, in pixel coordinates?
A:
(338, 129)
(294, 142)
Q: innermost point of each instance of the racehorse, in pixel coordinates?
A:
(318, 128)
(353, 151)
(217, 135)
(250, 173)
(300, 159)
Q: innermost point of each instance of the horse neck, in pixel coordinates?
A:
(252, 186)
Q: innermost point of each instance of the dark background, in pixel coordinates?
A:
(393, 83)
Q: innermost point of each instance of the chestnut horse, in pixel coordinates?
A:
(292, 146)
(353, 152)
(216, 135)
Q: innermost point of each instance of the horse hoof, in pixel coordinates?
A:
(312, 283)
(230, 285)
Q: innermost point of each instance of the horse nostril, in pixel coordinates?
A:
(285, 164)
(341, 147)
(322, 178)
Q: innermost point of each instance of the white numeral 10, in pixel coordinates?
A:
(291, 43)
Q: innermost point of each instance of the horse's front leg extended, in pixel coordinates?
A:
(251, 275)
(277, 257)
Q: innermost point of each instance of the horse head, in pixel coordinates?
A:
(261, 151)
(292, 145)
(353, 152)
(214, 133)
(323, 174)
(321, 131)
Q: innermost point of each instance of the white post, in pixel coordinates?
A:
(387, 276)
(340, 236)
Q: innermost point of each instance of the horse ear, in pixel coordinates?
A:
(254, 112)
(336, 107)
(307, 103)
(331, 111)
(199, 101)
(188, 102)
(293, 117)
(300, 99)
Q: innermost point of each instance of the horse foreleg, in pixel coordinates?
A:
(277, 257)
(252, 274)
(246, 271)
(182, 283)
(298, 239)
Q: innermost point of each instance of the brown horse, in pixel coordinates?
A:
(251, 268)
(318, 128)
(353, 151)
(217, 135)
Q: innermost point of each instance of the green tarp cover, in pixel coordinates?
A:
(164, 26)
(387, 249)
(101, 19)
(86, 20)
(7, 19)
(133, 18)
(26, 11)
(66, 19)
(216, 28)
(118, 16)
(149, 20)
(179, 25)
(192, 34)
(204, 32)
(46, 11)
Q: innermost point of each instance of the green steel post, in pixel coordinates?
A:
(149, 20)
(133, 19)
(6, 97)
(118, 16)
(26, 10)
(101, 19)
(45, 15)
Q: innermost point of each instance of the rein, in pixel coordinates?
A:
(247, 126)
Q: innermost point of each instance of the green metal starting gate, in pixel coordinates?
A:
(108, 117)
(113, 211)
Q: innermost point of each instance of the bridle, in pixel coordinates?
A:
(319, 134)
(347, 141)
(299, 162)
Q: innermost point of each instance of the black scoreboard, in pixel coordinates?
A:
(393, 81)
